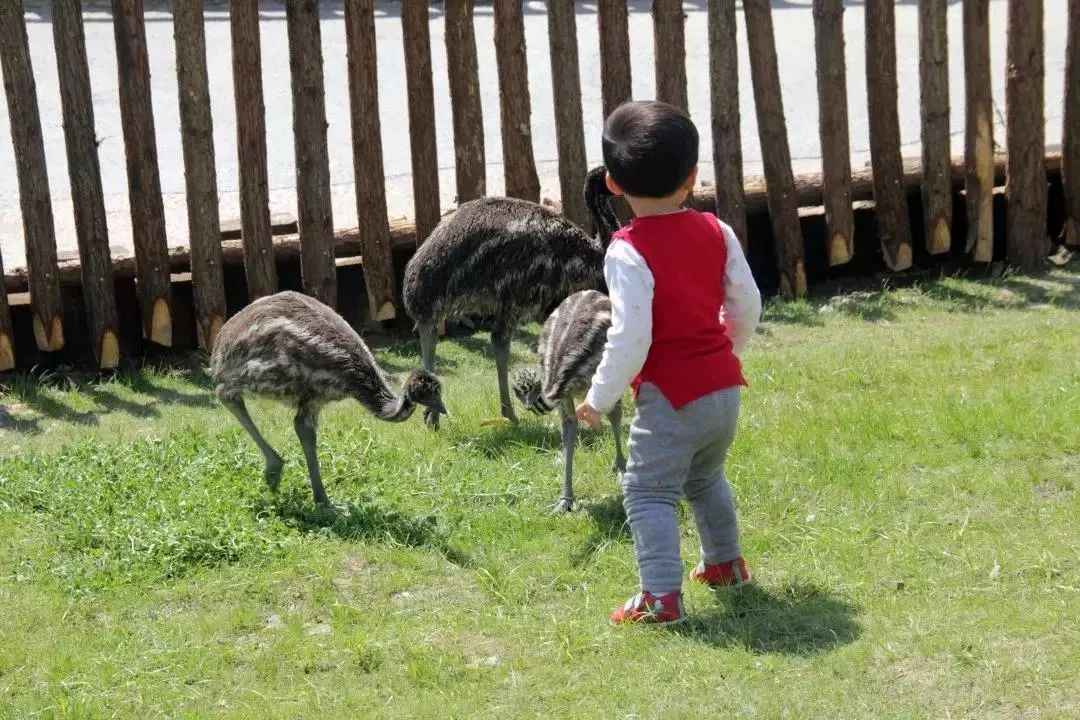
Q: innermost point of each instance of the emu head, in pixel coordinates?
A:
(423, 388)
(528, 389)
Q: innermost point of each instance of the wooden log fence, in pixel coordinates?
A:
(1025, 129)
(204, 221)
(377, 244)
(84, 171)
(979, 130)
(1070, 171)
(833, 126)
(259, 268)
(33, 179)
(368, 159)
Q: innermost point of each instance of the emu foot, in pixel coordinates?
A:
(272, 474)
(564, 505)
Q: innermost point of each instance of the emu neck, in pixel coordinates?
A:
(385, 404)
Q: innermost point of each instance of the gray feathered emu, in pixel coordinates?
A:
(507, 259)
(571, 345)
(295, 348)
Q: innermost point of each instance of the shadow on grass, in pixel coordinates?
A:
(361, 520)
(795, 620)
(503, 438)
(35, 392)
(609, 527)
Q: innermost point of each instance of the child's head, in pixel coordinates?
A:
(650, 149)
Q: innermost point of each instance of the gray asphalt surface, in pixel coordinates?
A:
(795, 43)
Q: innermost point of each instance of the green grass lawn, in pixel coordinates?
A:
(906, 476)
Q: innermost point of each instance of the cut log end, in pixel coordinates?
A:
(208, 332)
(110, 351)
(386, 312)
(800, 280)
(902, 261)
(53, 340)
(1071, 233)
(793, 287)
(839, 250)
(440, 328)
(161, 323)
(7, 353)
(941, 239)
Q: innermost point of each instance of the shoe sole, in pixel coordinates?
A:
(653, 623)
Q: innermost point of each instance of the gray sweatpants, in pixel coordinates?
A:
(677, 453)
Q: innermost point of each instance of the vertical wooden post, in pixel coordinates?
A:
(425, 160)
(197, 129)
(462, 66)
(776, 155)
(1025, 130)
(1070, 161)
(84, 172)
(936, 150)
(368, 159)
(566, 79)
(516, 110)
(979, 131)
(7, 335)
(669, 40)
(144, 184)
(833, 127)
(33, 178)
(890, 198)
(724, 96)
(614, 23)
(255, 231)
(316, 218)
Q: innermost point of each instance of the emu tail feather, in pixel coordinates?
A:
(528, 387)
(598, 202)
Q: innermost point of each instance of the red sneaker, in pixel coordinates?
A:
(653, 609)
(732, 573)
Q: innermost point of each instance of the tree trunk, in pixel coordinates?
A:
(463, 67)
(316, 216)
(1070, 169)
(724, 96)
(979, 131)
(84, 172)
(833, 126)
(614, 22)
(371, 213)
(889, 198)
(516, 110)
(197, 130)
(425, 161)
(566, 77)
(776, 156)
(33, 179)
(1025, 130)
(251, 149)
(144, 184)
(669, 39)
(936, 153)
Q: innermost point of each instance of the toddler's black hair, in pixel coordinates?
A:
(650, 148)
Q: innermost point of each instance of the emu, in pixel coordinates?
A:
(570, 348)
(508, 259)
(293, 347)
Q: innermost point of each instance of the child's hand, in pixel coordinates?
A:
(588, 415)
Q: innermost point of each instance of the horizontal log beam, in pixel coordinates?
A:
(808, 188)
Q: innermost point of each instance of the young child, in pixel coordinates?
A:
(684, 305)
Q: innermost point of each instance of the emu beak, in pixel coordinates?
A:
(440, 408)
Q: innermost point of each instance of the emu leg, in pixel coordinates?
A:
(272, 472)
(429, 338)
(615, 418)
(567, 502)
(307, 419)
(500, 342)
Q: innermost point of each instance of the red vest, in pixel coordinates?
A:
(690, 356)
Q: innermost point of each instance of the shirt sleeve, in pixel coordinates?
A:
(742, 300)
(630, 287)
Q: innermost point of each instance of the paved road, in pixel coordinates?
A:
(794, 30)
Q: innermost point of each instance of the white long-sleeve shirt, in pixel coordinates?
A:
(630, 286)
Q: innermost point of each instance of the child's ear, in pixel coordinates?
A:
(613, 186)
(691, 180)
